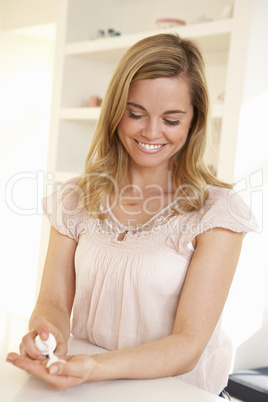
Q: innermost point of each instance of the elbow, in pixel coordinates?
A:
(189, 365)
(192, 363)
(191, 352)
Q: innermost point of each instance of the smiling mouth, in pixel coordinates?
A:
(150, 146)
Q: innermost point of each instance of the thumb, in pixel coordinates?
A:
(41, 327)
(62, 368)
(61, 349)
(43, 333)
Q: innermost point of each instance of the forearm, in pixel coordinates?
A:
(170, 356)
(54, 315)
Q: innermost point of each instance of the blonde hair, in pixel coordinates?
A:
(163, 55)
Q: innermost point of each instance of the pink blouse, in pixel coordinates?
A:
(127, 291)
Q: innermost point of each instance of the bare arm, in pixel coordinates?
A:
(54, 304)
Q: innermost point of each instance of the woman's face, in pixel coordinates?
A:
(156, 121)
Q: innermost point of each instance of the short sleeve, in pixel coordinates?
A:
(63, 210)
(225, 209)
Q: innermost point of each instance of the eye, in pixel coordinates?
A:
(172, 122)
(134, 116)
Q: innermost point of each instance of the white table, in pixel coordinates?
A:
(18, 386)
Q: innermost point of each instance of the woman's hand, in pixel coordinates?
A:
(40, 326)
(75, 371)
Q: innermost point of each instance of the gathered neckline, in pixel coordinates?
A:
(163, 215)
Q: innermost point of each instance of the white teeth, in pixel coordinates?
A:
(149, 146)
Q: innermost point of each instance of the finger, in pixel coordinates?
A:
(66, 369)
(61, 349)
(28, 347)
(24, 353)
(33, 367)
(41, 326)
(39, 370)
(11, 357)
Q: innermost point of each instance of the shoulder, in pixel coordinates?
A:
(64, 196)
(226, 208)
(63, 208)
(69, 193)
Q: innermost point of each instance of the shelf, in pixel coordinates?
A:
(212, 35)
(93, 113)
(80, 113)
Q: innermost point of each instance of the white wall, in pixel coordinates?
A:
(26, 66)
(27, 13)
(251, 173)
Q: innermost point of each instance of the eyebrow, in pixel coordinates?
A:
(166, 112)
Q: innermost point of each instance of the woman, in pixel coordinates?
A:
(144, 246)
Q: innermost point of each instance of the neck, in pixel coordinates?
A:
(148, 180)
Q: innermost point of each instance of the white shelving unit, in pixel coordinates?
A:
(84, 66)
(211, 35)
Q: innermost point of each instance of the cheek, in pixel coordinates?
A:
(123, 132)
(124, 122)
(127, 127)
(181, 134)
(182, 140)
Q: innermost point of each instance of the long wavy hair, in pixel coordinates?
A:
(163, 55)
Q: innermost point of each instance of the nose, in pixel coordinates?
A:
(152, 130)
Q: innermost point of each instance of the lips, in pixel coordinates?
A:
(149, 147)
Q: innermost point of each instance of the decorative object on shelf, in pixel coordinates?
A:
(104, 34)
(163, 23)
(212, 169)
(201, 19)
(220, 97)
(94, 101)
(112, 32)
(101, 33)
